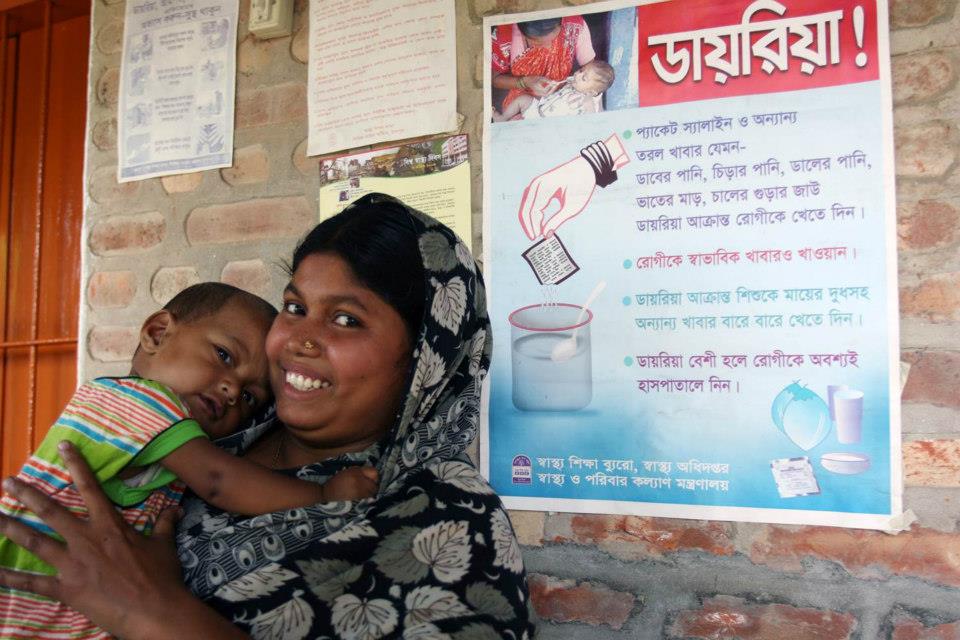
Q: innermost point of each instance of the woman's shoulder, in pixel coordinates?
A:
(452, 479)
(451, 501)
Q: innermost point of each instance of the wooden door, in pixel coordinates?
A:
(43, 75)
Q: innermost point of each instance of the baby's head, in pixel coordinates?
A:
(593, 78)
(207, 345)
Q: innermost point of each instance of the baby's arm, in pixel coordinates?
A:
(241, 486)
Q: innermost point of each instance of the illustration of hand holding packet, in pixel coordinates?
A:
(541, 381)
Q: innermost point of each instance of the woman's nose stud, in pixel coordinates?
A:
(308, 345)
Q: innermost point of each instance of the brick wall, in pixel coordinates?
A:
(592, 577)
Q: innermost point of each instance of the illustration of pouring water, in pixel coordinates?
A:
(551, 355)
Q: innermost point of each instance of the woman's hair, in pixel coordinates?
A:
(379, 242)
(537, 28)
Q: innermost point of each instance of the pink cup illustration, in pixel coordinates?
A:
(848, 407)
(540, 381)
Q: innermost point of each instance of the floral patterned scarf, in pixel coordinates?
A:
(433, 555)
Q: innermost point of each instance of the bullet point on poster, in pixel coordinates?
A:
(627, 134)
(627, 264)
(628, 361)
(626, 301)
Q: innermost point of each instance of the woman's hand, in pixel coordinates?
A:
(115, 576)
(539, 85)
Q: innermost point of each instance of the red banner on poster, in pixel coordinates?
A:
(714, 50)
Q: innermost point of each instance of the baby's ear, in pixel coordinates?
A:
(154, 330)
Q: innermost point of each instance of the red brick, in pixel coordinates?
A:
(249, 275)
(104, 134)
(932, 463)
(927, 224)
(934, 378)
(111, 289)
(249, 220)
(907, 628)
(108, 87)
(299, 47)
(120, 235)
(110, 37)
(936, 299)
(916, 13)
(633, 537)
(105, 188)
(920, 553)
(112, 344)
(921, 76)
(528, 527)
(182, 183)
(729, 617)
(490, 7)
(924, 151)
(306, 165)
(272, 105)
(251, 165)
(567, 601)
(169, 281)
(253, 55)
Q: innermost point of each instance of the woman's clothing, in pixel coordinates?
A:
(433, 555)
(113, 422)
(511, 55)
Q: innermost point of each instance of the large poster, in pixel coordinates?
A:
(176, 87)
(690, 260)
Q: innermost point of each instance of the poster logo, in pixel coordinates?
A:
(522, 470)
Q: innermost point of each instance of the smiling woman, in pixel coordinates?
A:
(376, 359)
(332, 396)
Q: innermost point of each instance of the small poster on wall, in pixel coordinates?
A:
(177, 82)
(380, 71)
(432, 176)
(690, 254)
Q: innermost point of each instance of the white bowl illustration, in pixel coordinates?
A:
(846, 463)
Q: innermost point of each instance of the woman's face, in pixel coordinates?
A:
(545, 40)
(339, 356)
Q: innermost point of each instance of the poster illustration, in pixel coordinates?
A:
(176, 87)
(690, 259)
(431, 175)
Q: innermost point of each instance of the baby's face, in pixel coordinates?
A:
(216, 364)
(587, 80)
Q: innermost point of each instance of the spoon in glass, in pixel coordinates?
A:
(567, 348)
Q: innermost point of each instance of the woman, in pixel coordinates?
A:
(532, 57)
(376, 358)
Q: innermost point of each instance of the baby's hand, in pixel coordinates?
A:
(353, 483)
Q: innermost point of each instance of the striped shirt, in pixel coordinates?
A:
(114, 423)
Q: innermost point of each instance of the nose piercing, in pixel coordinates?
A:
(308, 345)
(232, 401)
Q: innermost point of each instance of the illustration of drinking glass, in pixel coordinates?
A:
(541, 383)
(848, 407)
(832, 389)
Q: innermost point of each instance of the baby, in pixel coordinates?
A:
(199, 373)
(578, 95)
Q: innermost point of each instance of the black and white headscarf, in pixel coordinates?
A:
(433, 555)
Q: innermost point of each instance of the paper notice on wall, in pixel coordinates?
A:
(432, 176)
(380, 70)
(176, 87)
